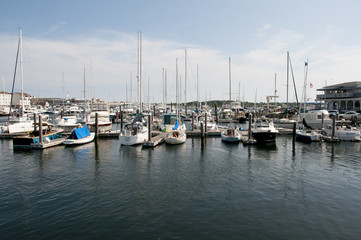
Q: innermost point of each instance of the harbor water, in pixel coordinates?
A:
(102, 190)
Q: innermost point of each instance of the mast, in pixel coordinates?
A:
(185, 78)
(305, 86)
(177, 87)
(163, 79)
(197, 84)
(275, 96)
(84, 86)
(16, 66)
(230, 82)
(21, 72)
(140, 73)
(3, 83)
(288, 73)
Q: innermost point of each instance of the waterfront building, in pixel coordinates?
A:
(342, 97)
(5, 98)
(18, 100)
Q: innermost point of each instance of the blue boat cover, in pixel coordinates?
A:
(81, 132)
(176, 125)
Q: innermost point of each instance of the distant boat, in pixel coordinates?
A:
(231, 135)
(79, 136)
(68, 123)
(343, 133)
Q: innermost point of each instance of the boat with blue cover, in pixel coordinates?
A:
(79, 136)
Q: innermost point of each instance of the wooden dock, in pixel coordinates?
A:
(44, 145)
(155, 141)
(11, 135)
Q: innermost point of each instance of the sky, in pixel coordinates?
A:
(65, 42)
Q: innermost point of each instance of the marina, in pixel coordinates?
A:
(195, 130)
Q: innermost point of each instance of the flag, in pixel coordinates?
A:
(311, 85)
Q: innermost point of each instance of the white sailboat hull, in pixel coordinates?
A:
(129, 140)
(175, 137)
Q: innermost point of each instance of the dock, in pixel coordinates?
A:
(11, 135)
(44, 145)
(155, 141)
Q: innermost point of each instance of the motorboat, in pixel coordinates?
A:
(231, 135)
(264, 131)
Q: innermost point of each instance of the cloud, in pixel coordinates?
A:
(109, 59)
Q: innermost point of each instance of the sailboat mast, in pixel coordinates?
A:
(197, 84)
(139, 70)
(177, 93)
(230, 82)
(185, 78)
(84, 85)
(21, 71)
(305, 86)
(288, 73)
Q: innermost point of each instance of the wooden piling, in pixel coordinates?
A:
(121, 120)
(215, 112)
(96, 125)
(333, 126)
(294, 134)
(40, 129)
(202, 133)
(35, 121)
(149, 127)
(205, 122)
(250, 126)
(192, 121)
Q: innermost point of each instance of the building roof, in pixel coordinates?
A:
(4, 92)
(25, 94)
(342, 86)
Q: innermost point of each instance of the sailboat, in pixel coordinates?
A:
(21, 124)
(307, 134)
(135, 133)
(177, 134)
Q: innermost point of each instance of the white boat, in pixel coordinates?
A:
(211, 125)
(133, 134)
(21, 124)
(79, 136)
(68, 123)
(284, 123)
(316, 119)
(176, 135)
(304, 135)
(264, 131)
(231, 135)
(104, 124)
(343, 133)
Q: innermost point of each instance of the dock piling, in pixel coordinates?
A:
(40, 129)
(96, 125)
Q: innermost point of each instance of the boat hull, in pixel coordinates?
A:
(266, 136)
(84, 140)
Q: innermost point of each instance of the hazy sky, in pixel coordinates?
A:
(61, 38)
